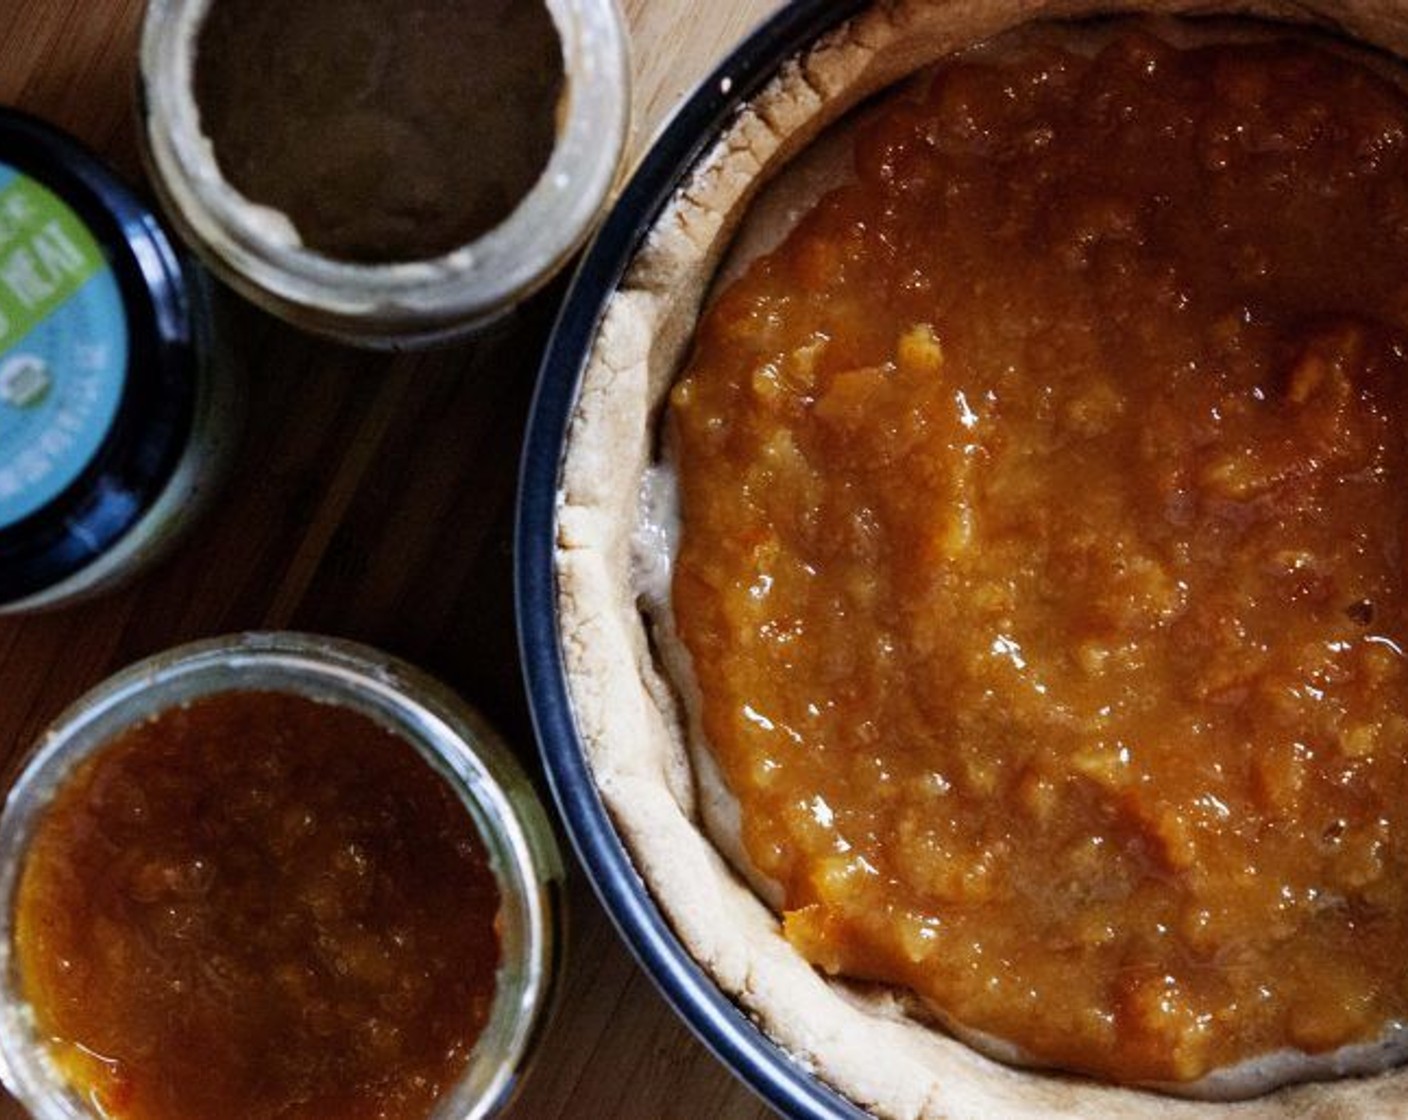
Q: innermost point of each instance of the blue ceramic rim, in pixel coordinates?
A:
(732, 1037)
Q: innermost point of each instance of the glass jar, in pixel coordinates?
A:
(443, 730)
(259, 253)
(117, 413)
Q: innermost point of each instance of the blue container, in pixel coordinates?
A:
(104, 397)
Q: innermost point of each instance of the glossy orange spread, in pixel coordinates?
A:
(1043, 563)
(259, 907)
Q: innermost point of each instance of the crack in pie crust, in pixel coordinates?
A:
(862, 1039)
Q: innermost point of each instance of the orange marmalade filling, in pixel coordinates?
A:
(1043, 559)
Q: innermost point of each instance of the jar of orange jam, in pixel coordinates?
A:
(276, 875)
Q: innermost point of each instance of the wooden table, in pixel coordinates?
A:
(373, 500)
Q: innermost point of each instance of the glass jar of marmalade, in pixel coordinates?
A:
(273, 874)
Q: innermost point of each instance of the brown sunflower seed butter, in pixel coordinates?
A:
(385, 130)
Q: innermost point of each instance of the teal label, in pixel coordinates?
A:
(63, 346)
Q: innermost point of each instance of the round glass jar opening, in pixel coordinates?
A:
(401, 303)
(447, 735)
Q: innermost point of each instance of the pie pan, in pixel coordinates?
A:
(621, 775)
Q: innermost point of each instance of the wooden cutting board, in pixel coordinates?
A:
(373, 500)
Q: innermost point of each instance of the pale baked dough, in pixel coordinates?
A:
(862, 1040)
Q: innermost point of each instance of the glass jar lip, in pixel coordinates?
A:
(258, 252)
(445, 731)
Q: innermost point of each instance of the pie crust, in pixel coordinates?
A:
(863, 1040)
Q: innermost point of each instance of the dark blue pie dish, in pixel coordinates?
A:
(727, 1030)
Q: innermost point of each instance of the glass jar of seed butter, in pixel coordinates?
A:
(273, 875)
(116, 416)
(385, 172)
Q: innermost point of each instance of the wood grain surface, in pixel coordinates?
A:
(373, 500)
